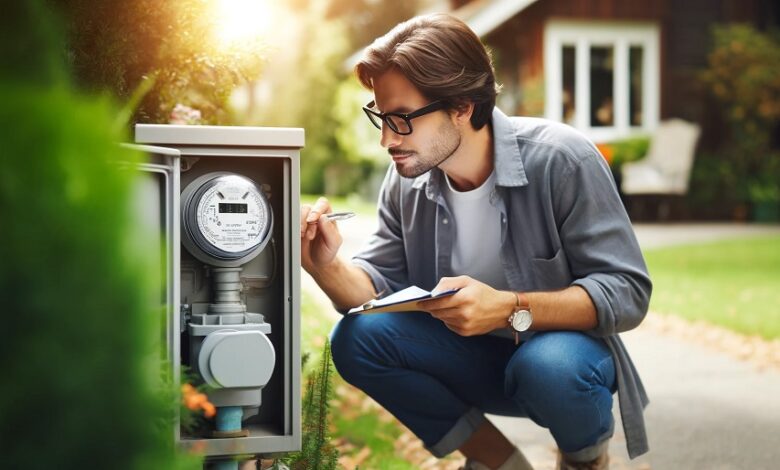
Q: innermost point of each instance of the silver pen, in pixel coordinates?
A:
(335, 216)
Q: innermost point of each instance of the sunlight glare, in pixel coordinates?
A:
(241, 20)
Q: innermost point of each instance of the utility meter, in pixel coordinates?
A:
(226, 222)
(226, 219)
(228, 202)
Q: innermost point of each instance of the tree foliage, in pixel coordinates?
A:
(116, 45)
(744, 74)
(27, 35)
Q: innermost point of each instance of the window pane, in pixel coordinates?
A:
(636, 54)
(568, 96)
(601, 78)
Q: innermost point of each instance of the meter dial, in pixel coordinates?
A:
(226, 219)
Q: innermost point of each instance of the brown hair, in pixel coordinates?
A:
(442, 57)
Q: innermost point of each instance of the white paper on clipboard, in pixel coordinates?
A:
(402, 301)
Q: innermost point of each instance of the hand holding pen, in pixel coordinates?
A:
(320, 237)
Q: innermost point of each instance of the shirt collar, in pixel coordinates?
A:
(506, 156)
(506, 152)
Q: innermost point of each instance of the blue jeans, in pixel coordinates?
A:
(439, 384)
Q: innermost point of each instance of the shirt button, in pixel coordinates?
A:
(444, 221)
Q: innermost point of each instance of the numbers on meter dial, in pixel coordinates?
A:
(226, 219)
(233, 214)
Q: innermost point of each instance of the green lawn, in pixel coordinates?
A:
(733, 283)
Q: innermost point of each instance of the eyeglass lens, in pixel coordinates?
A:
(396, 123)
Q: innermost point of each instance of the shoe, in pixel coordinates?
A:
(516, 461)
(599, 463)
(473, 465)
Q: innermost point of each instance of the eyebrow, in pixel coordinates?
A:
(400, 110)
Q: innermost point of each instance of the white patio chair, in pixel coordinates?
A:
(666, 169)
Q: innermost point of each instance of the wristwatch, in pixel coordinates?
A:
(521, 318)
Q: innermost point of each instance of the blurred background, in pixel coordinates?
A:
(615, 70)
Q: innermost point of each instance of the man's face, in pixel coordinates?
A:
(434, 137)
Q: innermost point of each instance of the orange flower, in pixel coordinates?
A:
(195, 400)
(606, 152)
(209, 410)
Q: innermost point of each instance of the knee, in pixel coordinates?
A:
(356, 344)
(558, 363)
(340, 339)
(343, 347)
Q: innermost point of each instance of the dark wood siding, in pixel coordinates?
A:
(685, 27)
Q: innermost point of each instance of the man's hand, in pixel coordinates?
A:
(474, 310)
(320, 238)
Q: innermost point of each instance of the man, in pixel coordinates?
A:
(523, 217)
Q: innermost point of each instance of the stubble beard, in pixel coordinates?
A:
(446, 143)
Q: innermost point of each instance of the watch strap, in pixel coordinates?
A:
(520, 304)
(522, 301)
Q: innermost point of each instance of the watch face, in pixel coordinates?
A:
(522, 320)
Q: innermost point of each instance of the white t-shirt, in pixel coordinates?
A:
(477, 226)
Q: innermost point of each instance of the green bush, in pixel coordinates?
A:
(80, 300)
(743, 74)
(76, 296)
(715, 188)
(628, 150)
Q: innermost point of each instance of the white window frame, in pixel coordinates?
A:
(621, 36)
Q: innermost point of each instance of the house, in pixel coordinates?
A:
(610, 68)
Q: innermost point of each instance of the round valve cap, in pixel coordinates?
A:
(236, 359)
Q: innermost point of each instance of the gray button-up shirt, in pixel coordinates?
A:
(562, 224)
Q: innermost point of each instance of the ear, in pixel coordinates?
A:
(461, 114)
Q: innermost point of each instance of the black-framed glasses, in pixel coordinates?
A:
(400, 123)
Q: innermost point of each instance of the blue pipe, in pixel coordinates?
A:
(225, 465)
(229, 418)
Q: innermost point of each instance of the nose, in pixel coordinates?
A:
(389, 138)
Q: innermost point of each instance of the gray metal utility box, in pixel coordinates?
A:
(226, 203)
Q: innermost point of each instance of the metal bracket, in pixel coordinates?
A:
(185, 314)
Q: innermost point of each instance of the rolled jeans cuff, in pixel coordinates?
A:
(590, 453)
(459, 434)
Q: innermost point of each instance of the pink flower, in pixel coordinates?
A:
(185, 115)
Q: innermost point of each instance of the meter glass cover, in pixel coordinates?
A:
(227, 208)
(233, 215)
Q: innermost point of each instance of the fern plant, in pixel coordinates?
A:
(317, 453)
